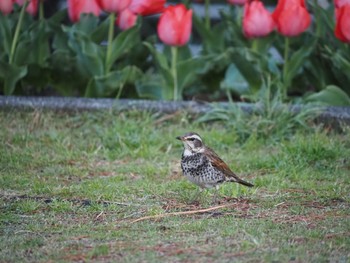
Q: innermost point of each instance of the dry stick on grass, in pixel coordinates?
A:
(191, 212)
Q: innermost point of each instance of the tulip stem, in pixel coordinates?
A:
(207, 15)
(41, 10)
(255, 45)
(174, 70)
(285, 68)
(121, 86)
(110, 39)
(18, 29)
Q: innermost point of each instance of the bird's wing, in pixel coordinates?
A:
(218, 163)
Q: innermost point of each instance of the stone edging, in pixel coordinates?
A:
(329, 115)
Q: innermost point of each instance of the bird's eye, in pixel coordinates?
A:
(191, 139)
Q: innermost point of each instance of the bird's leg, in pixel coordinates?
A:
(216, 193)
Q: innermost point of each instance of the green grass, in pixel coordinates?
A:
(72, 184)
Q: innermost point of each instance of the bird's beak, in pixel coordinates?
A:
(179, 138)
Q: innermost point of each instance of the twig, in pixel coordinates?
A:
(191, 212)
(100, 214)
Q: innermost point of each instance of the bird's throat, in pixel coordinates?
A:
(188, 152)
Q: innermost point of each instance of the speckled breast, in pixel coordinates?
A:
(199, 170)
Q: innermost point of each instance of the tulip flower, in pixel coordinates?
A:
(283, 4)
(113, 6)
(291, 17)
(6, 6)
(174, 26)
(237, 2)
(340, 3)
(342, 26)
(147, 7)
(126, 19)
(32, 7)
(257, 21)
(78, 7)
(174, 29)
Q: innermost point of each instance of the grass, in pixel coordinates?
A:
(72, 186)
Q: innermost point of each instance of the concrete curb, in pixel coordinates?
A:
(333, 116)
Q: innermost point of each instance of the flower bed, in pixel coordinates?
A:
(298, 52)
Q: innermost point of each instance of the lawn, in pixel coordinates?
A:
(105, 186)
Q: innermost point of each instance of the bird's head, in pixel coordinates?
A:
(192, 142)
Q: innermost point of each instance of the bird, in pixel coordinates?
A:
(202, 166)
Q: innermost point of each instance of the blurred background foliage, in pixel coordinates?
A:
(54, 56)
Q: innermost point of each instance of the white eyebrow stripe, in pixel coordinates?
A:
(194, 136)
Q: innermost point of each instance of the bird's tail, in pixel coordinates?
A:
(240, 181)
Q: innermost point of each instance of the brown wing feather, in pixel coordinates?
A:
(219, 164)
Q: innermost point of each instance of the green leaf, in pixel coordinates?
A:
(36, 39)
(332, 96)
(213, 39)
(162, 63)
(297, 60)
(341, 61)
(232, 28)
(246, 62)
(235, 81)
(151, 86)
(323, 19)
(338, 61)
(60, 39)
(159, 57)
(11, 74)
(90, 56)
(101, 32)
(56, 19)
(122, 43)
(67, 79)
(263, 44)
(183, 53)
(150, 90)
(102, 86)
(187, 72)
(5, 34)
(87, 24)
(317, 73)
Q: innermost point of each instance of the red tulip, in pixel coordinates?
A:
(340, 3)
(175, 24)
(237, 2)
(126, 19)
(147, 7)
(6, 6)
(78, 7)
(32, 7)
(284, 4)
(113, 6)
(342, 26)
(257, 21)
(291, 17)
